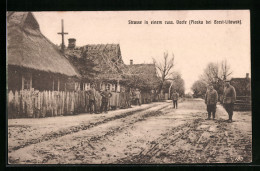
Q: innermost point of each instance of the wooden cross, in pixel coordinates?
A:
(62, 36)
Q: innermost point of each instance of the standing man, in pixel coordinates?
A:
(138, 97)
(175, 97)
(128, 98)
(105, 98)
(211, 100)
(92, 98)
(229, 99)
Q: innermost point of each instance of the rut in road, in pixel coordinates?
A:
(75, 129)
(215, 148)
(129, 122)
(126, 122)
(159, 134)
(161, 143)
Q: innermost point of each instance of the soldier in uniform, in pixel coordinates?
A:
(92, 98)
(229, 99)
(138, 97)
(175, 97)
(105, 98)
(128, 97)
(211, 99)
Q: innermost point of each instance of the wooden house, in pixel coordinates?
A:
(33, 61)
(243, 92)
(143, 77)
(107, 61)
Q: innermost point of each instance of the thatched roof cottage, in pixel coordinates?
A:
(107, 62)
(142, 76)
(34, 61)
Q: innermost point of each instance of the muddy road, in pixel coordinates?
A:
(151, 134)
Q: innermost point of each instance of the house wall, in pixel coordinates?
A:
(242, 86)
(42, 81)
(14, 79)
(47, 81)
(100, 86)
(72, 84)
(39, 80)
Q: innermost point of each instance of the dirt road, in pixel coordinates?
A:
(153, 133)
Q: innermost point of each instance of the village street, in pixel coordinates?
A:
(148, 134)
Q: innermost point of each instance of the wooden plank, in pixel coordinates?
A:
(29, 104)
(55, 103)
(11, 105)
(17, 103)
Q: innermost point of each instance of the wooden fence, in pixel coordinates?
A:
(35, 104)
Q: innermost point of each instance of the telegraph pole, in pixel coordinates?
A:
(62, 36)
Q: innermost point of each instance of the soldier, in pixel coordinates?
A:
(105, 98)
(92, 98)
(138, 97)
(229, 99)
(175, 97)
(128, 98)
(211, 100)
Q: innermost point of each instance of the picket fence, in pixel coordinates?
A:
(36, 104)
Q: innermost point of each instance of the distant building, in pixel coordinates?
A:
(147, 73)
(144, 77)
(243, 91)
(242, 85)
(33, 61)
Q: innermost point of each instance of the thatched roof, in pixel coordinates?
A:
(27, 47)
(148, 70)
(107, 58)
(143, 75)
(104, 54)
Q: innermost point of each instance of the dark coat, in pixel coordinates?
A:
(211, 97)
(105, 96)
(92, 94)
(175, 96)
(137, 94)
(229, 95)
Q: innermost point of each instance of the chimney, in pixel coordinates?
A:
(131, 61)
(72, 43)
(247, 75)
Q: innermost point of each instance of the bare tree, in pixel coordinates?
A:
(164, 69)
(225, 70)
(214, 72)
(211, 73)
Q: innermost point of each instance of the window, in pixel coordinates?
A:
(108, 86)
(56, 84)
(77, 86)
(81, 86)
(118, 88)
(27, 81)
(113, 87)
(103, 86)
(87, 86)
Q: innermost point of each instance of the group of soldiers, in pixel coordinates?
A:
(229, 98)
(211, 99)
(105, 96)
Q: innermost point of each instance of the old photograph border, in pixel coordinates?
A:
(146, 5)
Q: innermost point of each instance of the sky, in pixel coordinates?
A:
(193, 46)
